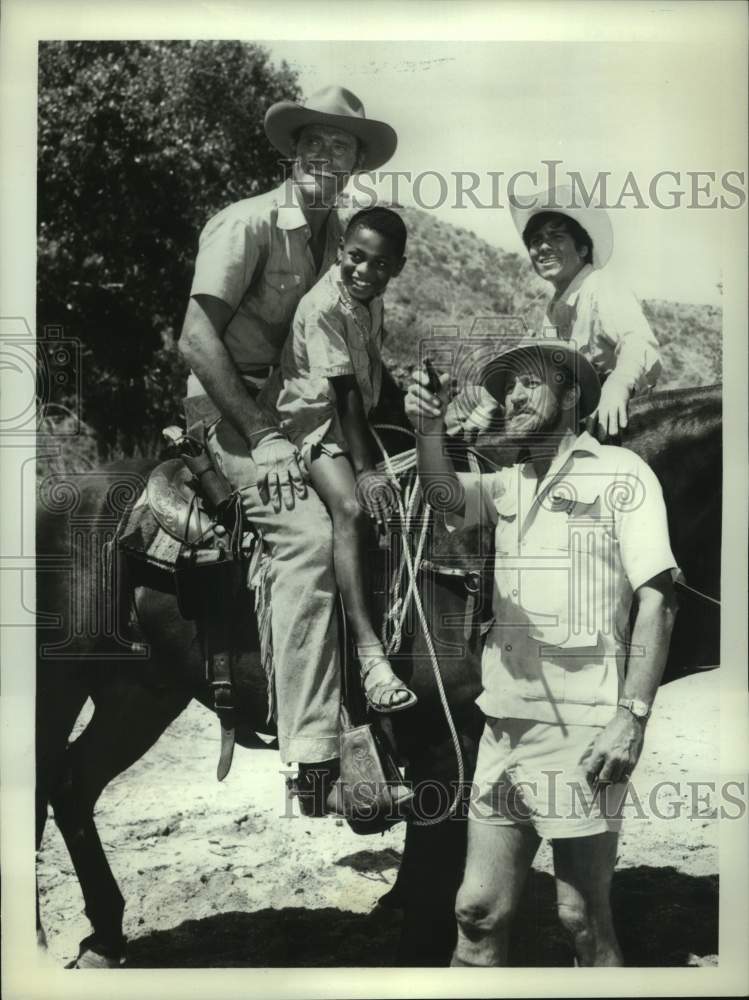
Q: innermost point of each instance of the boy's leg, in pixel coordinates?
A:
(497, 864)
(583, 868)
(334, 480)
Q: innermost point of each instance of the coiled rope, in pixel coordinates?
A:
(411, 563)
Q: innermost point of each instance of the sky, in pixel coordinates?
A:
(595, 106)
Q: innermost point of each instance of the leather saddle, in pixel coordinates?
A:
(184, 535)
(177, 507)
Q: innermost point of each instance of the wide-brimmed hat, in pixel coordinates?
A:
(334, 106)
(594, 218)
(545, 355)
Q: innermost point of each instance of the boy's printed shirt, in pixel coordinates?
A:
(570, 552)
(606, 322)
(332, 334)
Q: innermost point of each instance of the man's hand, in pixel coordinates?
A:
(424, 409)
(612, 408)
(281, 471)
(616, 750)
(471, 412)
(376, 493)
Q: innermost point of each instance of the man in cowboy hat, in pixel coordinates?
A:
(581, 539)
(569, 245)
(256, 260)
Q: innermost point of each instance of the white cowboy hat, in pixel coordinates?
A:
(594, 219)
(547, 355)
(331, 106)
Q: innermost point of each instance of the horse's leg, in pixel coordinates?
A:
(60, 696)
(128, 719)
(432, 864)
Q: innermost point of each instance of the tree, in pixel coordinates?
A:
(139, 143)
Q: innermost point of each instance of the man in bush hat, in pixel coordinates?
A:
(581, 541)
(569, 245)
(256, 259)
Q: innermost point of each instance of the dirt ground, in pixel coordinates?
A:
(227, 875)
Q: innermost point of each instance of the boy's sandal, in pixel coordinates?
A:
(380, 694)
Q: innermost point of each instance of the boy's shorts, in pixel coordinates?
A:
(533, 774)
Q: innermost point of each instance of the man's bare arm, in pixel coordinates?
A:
(202, 346)
(618, 748)
(426, 411)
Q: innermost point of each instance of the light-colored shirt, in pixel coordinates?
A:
(607, 323)
(255, 256)
(570, 553)
(332, 334)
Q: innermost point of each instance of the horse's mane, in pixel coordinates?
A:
(677, 417)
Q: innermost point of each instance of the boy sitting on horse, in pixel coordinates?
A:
(332, 375)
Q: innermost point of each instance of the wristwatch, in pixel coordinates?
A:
(640, 709)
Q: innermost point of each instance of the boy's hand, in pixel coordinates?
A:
(376, 494)
(612, 409)
(425, 409)
(281, 471)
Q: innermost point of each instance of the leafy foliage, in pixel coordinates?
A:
(139, 144)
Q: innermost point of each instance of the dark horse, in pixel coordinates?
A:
(678, 433)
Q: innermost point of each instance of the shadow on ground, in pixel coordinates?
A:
(662, 916)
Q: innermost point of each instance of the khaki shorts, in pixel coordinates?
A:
(533, 774)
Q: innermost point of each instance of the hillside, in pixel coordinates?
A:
(453, 277)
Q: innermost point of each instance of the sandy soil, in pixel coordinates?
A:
(230, 875)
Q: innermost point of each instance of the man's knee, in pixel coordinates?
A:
(574, 917)
(480, 916)
(310, 532)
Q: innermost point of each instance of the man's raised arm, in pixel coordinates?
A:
(426, 411)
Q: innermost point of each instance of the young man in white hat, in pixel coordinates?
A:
(581, 540)
(256, 259)
(569, 245)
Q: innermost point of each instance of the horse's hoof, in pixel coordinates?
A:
(96, 956)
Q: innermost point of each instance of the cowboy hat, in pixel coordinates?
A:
(546, 355)
(337, 107)
(564, 201)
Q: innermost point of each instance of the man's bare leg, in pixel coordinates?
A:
(497, 864)
(583, 868)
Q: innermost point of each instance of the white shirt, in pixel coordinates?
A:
(607, 324)
(570, 552)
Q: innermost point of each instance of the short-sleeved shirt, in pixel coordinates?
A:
(569, 557)
(607, 323)
(255, 256)
(332, 334)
